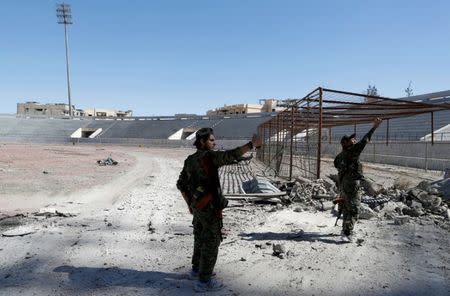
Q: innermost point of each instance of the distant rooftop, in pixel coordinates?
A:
(436, 97)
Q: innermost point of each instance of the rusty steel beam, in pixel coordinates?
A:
(319, 110)
(319, 142)
(292, 143)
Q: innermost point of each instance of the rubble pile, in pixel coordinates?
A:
(401, 205)
(313, 193)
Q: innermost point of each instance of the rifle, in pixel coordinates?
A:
(340, 202)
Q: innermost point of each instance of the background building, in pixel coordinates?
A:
(269, 105)
(97, 112)
(30, 109)
(47, 110)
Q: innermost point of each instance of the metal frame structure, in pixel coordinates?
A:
(294, 137)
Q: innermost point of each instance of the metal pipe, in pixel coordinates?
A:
(319, 144)
(292, 142)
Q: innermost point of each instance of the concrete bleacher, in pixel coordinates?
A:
(59, 130)
(38, 128)
(238, 128)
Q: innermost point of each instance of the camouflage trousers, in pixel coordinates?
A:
(352, 201)
(207, 238)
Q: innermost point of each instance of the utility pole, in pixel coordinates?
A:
(64, 14)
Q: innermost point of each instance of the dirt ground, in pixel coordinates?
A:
(130, 234)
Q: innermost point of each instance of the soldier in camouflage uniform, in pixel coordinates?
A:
(200, 186)
(350, 174)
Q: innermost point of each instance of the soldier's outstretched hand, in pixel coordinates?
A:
(376, 122)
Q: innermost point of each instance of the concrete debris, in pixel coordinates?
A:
(391, 203)
(19, 231)
(365, 212)
(279, 250)
(259, 185)
(304, 191)
(326, 205)
(400, 220)
(424, 185)
(108, 161)
(413, 212)
(52, 212)
(261, 246)
(7, 222)
(428, 201)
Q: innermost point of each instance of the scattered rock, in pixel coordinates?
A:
(359, 242)
(150, 227)
(290, 254)
(400, 220)
(278, 249)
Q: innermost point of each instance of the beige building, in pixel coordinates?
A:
(97, 112)
(62, 110)
(38, 109)
(270, 105)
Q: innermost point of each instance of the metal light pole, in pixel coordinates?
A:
(64, 14)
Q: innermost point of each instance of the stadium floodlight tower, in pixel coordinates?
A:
(64, 14)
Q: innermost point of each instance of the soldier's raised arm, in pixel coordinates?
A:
(359, 147)
(221, 158)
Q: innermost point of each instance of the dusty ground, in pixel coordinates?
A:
(108, 249)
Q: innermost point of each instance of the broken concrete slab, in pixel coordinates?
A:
(259, 185)
(52, 212)
(19, 231)
(365, 212)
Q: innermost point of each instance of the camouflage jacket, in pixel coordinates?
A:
(347, 162)
(200, 173)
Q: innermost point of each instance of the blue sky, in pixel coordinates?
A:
(166, 57)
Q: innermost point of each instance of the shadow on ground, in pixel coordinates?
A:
(293, 236)
(96, 277)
